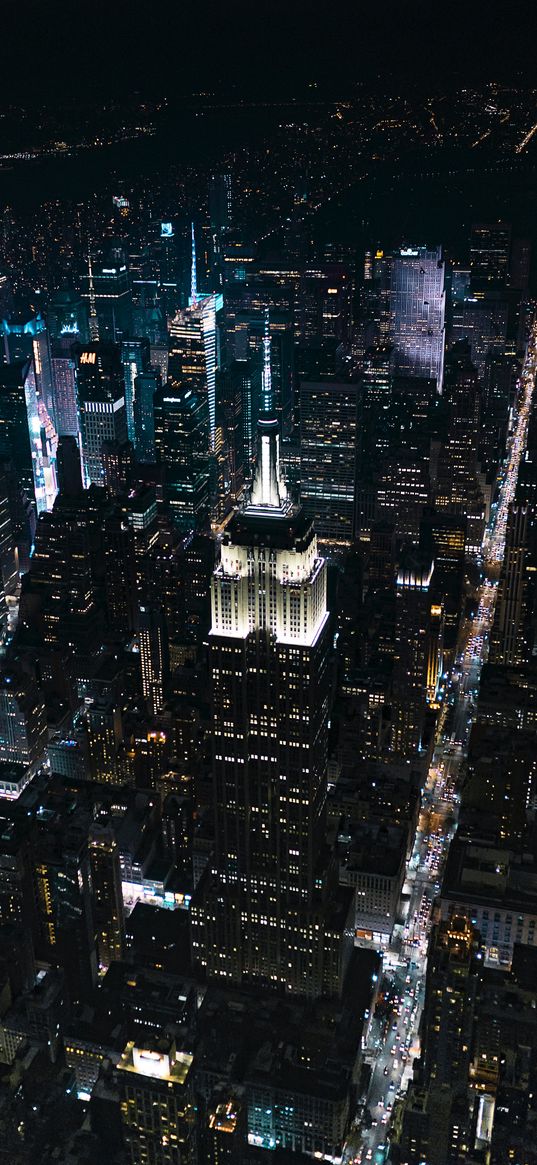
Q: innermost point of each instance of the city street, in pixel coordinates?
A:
(405, 964)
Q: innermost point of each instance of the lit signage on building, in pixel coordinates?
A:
(166, 230)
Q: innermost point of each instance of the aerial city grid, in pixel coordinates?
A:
(268, 596)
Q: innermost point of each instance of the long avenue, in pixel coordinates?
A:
(390, 1052)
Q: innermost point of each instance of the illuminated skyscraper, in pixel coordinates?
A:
(267, 910)
(413, 612)
(416, 312)
(153, 657)
(23, 722)
(220, 202)
(106, 896)
(135, 360)
(101, 398)
(109, 294)
(457, 485)
(145, 387)
(181, 440)
(443, 535)
(508, 644)
(14, 429)
(67, 315)
(490, 246)
(193, 352)
(64, 386)
(330, 435)
(158, 1103)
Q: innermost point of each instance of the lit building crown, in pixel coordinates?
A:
(270, 576)
(269, 489)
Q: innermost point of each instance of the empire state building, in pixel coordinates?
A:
(269, 910)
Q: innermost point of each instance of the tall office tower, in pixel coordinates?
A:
(330, 438)
(443, 536)
(323, 315)
(69, 468)
(135, 360)
(457, 485)
(158, 1102)
(105, 741)
(67, 316)
(62, 889)
(417, 309)
(413, 607)
(374, 317)
(377, 377)
(482, 323)
(23, 721)
(101, 399)
(120, 575)
(9, 571)
(17, 893)
(402, 491)
(490, 247)
(263, 912)
(220, 202)
(19, 331)
(153, 657)
(148, 316)
(181, 440)
(160, 359)
(21, 512)
(106, 895)
(14, 430)
(63, 365)
(60, 593)
(118, 465)
(232, 390)
(108, 292)
(193, 353)
(141, 513)
(460, 285)
(437, 1123)
(509, 639)
(145, 387)
(435, 651)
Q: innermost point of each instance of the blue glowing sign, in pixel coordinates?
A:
(166, 230)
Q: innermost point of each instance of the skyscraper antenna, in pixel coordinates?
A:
(93, 320)
(193, 276)
(266, 385)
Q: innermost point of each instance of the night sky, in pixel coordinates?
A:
(60, 50)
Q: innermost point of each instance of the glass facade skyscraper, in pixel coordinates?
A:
(416, 310)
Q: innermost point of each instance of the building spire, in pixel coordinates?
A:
(268, 489)
(193, 276)
(93, 320)
(266, 386)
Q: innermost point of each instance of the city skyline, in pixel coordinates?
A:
(268, 600)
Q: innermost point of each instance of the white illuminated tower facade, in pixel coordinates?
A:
(268, 911)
